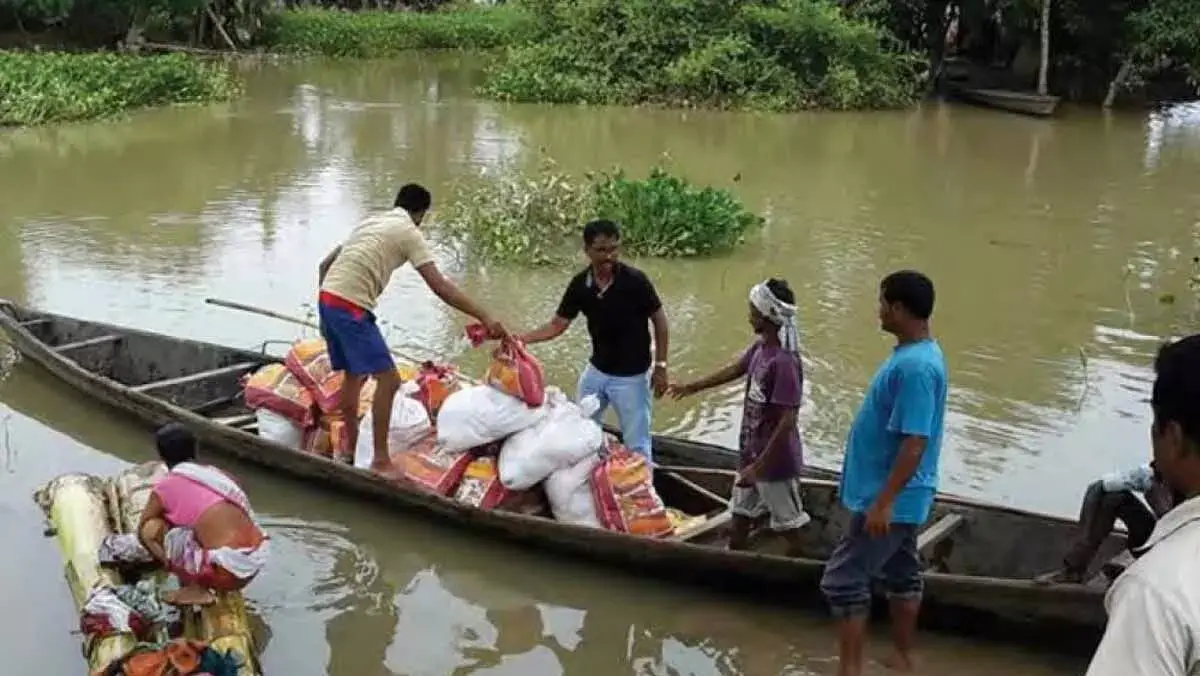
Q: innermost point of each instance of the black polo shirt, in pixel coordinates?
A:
(618, 319)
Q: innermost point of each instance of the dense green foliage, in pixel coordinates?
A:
(774, 54)
(37, 88)
(106, 23)
(1090, 42)
(664, 215)
(376, 34)
(536, 219)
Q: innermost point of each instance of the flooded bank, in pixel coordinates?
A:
(1050, 241)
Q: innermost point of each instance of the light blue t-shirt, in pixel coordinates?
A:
(907, 397)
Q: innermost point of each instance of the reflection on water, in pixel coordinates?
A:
(1051, 243)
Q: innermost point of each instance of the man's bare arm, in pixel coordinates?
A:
(449, 292)
(549, 331)
(662, 336)
(908, 460)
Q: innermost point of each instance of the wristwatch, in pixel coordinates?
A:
(660, 364)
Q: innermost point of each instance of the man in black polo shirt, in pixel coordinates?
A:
(620, 304)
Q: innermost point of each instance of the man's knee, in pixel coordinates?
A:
(846, 589)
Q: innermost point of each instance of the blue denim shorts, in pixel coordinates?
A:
(859, 559)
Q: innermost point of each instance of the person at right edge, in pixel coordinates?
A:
(351, 279)
(1154, 606)
(620, 304)
(890, 477)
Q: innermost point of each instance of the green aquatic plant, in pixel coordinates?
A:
(764, 54)
(46, 87)
(665, 215)
(381, 34)
(535, 218)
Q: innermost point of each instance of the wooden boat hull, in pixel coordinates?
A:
(1015, 102)
(982, 582)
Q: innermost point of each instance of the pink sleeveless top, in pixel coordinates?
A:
(184, 500)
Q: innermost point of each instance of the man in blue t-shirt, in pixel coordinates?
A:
(890, 476)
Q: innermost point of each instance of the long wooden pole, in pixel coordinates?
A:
(242, 307)
(1044, 66)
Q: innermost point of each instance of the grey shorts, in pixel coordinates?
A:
(780, 499)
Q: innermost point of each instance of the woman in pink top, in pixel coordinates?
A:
(198, 524)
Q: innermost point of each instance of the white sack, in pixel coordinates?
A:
(564, 437)
(408, 425)
(478, 415)
(569, 492)
(274, 427)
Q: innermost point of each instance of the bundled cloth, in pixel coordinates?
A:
(187, 557)
(180, 656)
(125, 609)
(780, 314)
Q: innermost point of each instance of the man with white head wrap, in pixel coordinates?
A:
(769, 479)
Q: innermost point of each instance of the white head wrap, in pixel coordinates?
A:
(780, 313)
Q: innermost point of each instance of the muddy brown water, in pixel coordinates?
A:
(1051, 243)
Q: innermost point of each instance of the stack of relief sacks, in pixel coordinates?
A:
(510, 443)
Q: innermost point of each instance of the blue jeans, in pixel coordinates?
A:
(859, 558)
(630, 396)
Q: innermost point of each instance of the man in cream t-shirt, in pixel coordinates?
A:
(352, 277)
(1154, 606)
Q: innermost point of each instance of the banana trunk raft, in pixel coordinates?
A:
(82, 509)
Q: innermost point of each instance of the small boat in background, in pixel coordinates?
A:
(1027, 103)
(81, 510)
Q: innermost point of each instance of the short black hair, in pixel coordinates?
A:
(413, 198)
(175, 444)
(600, 227)
(781, 290)
(912, 290)
(1176, 393)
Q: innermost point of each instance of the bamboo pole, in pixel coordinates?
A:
(77, 509)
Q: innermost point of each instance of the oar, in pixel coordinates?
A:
(713, 471)
(293, 320)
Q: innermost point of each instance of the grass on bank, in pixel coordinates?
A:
(764, 54)
(47, 87)
(381, 34)
(535, 219)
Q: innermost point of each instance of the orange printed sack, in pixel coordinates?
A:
(431, 468)
(180, 656)
(327, 438)
(480, 486)
(517, 372)
(435, 382)
(623, 489)
(276, 389)
(309, 361)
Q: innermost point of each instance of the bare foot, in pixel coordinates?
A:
(387, 468)
(190, 596)
(901, 663)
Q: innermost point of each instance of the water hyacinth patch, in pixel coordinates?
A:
(535, 218)
(46, 87)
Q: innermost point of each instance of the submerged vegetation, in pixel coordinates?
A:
(772, 54)
(379, 33)
(534, 219)
(39, 88)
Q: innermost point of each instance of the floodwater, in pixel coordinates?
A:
(1051, 243)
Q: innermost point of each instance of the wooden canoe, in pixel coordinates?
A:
(1027, 103)
(980, 558)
